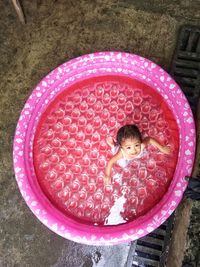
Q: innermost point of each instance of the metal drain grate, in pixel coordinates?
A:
(151, 250)
(186, 64)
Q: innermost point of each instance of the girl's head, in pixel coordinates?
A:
(130, 139)
(128, 132)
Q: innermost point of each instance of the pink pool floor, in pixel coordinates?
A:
(70, 149)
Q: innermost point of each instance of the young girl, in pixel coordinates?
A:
(128, 146)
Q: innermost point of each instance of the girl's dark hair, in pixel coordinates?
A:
(128, 131)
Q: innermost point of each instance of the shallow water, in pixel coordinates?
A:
(70, 149)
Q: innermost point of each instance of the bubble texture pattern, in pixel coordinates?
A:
(71, 153)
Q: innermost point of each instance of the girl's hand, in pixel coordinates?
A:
(107, 179)
(165, 150)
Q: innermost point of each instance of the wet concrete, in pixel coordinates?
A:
(55, 32)
(192, 247)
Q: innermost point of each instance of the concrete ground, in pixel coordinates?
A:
(55, 32)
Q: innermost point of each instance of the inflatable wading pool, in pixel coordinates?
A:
(60, 150)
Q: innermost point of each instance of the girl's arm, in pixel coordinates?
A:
(108, 171)
(152, 141)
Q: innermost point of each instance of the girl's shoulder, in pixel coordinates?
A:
(146, 141)
(119, 155)
(143, 145)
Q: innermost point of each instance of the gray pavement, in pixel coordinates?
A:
(55, 32)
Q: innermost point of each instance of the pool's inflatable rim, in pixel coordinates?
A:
(91, 65)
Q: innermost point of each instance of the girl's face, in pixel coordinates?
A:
(131, 147)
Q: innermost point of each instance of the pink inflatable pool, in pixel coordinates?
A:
(60, 150)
